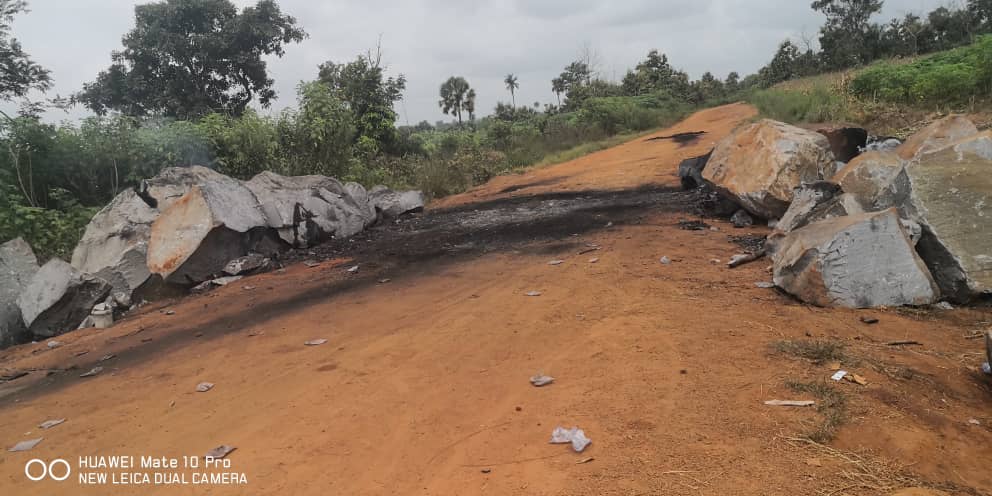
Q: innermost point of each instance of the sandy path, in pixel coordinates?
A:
(423, 382)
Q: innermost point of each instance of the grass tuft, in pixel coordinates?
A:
(831, 404)
(818, 351)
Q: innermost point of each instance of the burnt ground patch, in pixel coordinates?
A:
(411, 246)
(682, 139)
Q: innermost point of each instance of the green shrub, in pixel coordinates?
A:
(817, 104)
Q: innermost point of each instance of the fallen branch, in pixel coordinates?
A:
(738, 260)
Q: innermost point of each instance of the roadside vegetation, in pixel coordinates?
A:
(163, 101)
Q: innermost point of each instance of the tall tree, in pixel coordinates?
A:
(186, 58)
(369, 94)
(470, 104)
(511, 84)
(18, 73)
(844, 38)
(981, 14)
(454, 96)
(558, 87)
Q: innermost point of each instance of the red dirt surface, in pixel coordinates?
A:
(422, 387)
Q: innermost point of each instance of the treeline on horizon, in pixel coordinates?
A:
(181, 88)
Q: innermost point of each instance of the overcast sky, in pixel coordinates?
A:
(481, 40)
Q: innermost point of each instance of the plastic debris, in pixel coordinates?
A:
(974, 422)
(54, 344)
(944, 306)
(790, 403)
(48, 424)
(220, 451)
(26, 445)
(665, 261)
(839, 375)
(203, 387)
(765, 285)
(541, 380)
(533, 293)
(94, 371)
(594, 260)
(556, 262)
(575, 436)
(315, 342)
(353, 269)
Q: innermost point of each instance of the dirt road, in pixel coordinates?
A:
(422, 386)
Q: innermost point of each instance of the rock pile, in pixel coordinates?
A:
(180, 229)
(905, 226)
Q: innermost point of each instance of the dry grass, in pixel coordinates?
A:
(817, 351)
(831, 404)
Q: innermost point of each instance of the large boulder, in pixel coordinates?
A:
(949, 193)
(115, 244)
(816, 201)
(306, 210)
(857, 261)
(58, 298)
(760, 165)
(171, 183)
(17, 266)
(870, 178)
(391, 204)
(845, 142)
(937, 135)
(196, 235)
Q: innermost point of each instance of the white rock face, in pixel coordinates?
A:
(760, 165)
(17, 266)
(58, 298)
(856, 261)
(393, 204)
(115, 244)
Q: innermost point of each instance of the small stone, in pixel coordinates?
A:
(54, 344)
(487, 470)
(944, 306)
(315, 342)
(974, 422)
(353, 269)
(665, 261)
(384, 280)
(203, 387)
(48, 424)
(869, 320)
(519, 409)
(170, 312)
(556, 262)
(94, 371)
(533, 293)
(765, 285)
(593, 260)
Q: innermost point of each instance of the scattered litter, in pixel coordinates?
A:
(203, 387)
(26, 445)
(790, 403)
(584, 460)
(248, 288)
(869, 320)
(839, 375)
(609, 224)
(765, 285)
(170, 312)
(315, 342)
(665, 261)
(556, 262)
(220, 451)
(857, 379)
(593, 260)
(353, 269)
(486, 470)
(974, 422)
(48, 424)
(384, 280)
(944, 306)
(94, 371)
(311, 263)
(54, 344)
(533, 293)
(905, 343)
(541, 380)
(574, 435)
(107, 357)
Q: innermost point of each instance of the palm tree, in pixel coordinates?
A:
(454, 95)
(558, 87)
(511, 84)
